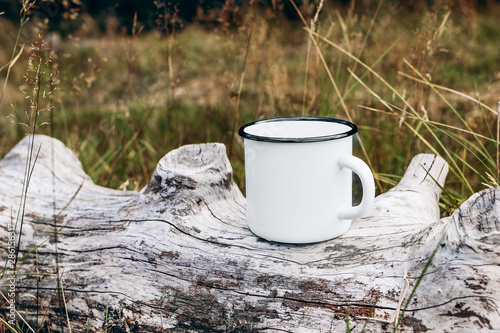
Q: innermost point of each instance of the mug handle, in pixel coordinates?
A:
(365, 175)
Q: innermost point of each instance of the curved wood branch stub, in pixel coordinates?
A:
(178, 256)
(475, 226)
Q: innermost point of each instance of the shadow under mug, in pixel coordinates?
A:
(298, 175)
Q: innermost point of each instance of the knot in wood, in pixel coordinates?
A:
(201, 167)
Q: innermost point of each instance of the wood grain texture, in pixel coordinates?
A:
(178, 256)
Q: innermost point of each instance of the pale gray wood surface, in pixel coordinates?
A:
(178, 256)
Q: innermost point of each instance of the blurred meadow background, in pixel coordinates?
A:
(130, 80)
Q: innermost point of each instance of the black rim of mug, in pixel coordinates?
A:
(353, 130)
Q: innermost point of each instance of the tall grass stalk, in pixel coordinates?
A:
(334, 84)
(43, 85)
(242, 78)
(352, 87)
(308, 55)
(65, 307)
(365, 39)
(34, 77)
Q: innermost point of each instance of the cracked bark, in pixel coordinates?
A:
(178, 256)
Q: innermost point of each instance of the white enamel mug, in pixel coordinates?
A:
(298, 175)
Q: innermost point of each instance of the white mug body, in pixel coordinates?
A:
(297, 188)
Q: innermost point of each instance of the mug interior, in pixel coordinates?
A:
(300, 129)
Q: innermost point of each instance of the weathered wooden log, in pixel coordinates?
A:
(178, 256)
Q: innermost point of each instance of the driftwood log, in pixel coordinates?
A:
(178, 256)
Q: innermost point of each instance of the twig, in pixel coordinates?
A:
(29, 172)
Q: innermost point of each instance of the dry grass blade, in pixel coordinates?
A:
(11, 63)
(242, 77)
(368, 32)
(64, 302)
(335, 87)
(457, 114)
(308, 54)
(415, 131)
(407, 115)
(493, 183)
(25, 8)
(371, 91)
(30, 167)
(9, 66)
(56, 231)
(404, 290)
(433, 85)
(323, 61)
(356, 59)
(70, 200)
(417, 284)
(19, 315)
(12, 329)
(454, 168)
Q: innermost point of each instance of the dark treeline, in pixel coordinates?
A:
(65, 15)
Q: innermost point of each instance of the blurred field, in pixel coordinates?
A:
(125, 100)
